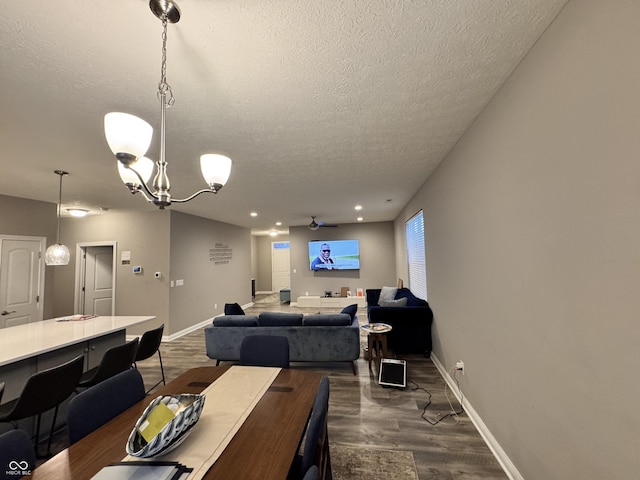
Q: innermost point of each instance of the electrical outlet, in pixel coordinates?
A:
(460, 366)
(215, 306)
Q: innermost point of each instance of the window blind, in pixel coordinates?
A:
(416, 255)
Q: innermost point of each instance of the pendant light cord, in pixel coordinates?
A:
(62, 173)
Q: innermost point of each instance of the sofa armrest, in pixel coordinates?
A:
(411, 332)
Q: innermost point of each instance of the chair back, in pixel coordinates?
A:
(115, 360)
(97, 405)
(47, 389)
(149, 343)
(312, 473)
(16, 453)
(316, 445)
(265, 351)
(1, 390)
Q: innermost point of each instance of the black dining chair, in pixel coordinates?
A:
(149, 345)
(17, 457)
(115, 360)
(265, 351)
(95, 406)
(316, 446)
(43, 391)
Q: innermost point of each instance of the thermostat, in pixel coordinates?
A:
(137, 269)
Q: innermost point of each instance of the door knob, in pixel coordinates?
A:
(4, 312)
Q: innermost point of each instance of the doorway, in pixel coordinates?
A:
(95, 278)
(21, 279)
(280, 262)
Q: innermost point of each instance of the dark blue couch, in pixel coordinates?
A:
(411, 323)
(329, 337)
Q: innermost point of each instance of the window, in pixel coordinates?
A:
(416, 256)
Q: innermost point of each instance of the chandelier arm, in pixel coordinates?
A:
(183, 200)
(142, 188)
(150, 199)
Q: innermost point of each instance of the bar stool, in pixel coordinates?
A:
(115, 360)
(149, 345)
(43, 391)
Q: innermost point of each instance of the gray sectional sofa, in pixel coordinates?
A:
(329, 337)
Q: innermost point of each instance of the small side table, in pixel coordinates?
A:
(376, 339)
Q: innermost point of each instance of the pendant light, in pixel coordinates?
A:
(58, 254)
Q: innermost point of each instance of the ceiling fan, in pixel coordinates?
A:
(315, 225)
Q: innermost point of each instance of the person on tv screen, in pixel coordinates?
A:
(324, 260)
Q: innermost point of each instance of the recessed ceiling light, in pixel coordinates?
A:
(278, 224)
(77, 212)
(359, 219)
(254, 214)
(273, 233)
(358, 207)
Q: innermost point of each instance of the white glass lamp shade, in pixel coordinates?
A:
(144, 166)
(57, 254)
(215, 168)
(127, 134)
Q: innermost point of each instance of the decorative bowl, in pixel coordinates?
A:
(173, 433)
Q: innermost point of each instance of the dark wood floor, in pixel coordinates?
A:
(363, 414)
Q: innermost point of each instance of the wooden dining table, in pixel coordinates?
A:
(263, 448)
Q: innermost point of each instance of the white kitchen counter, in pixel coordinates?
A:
(32, 339)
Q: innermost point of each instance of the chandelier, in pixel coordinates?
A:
(129, 137)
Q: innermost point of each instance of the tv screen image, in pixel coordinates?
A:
(334, 255)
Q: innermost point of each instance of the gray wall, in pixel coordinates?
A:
(206, 283)
(377, 254)
(20, 216)
(160, 241)
(533, 241)
(146, 236)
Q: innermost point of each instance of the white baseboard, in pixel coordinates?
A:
(181, 333)
(504, 461)
(192, 328)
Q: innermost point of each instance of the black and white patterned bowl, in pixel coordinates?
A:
(173, 433)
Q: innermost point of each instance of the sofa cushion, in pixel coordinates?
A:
(280, 319)
(387, 293)
(351, 310)
(327, 319)
(400, 302)
(233, 309)
(236, 321)
(412, 300)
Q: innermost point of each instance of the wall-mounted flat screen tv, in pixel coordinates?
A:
(334, 255)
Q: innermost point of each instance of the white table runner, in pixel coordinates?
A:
(229, 401)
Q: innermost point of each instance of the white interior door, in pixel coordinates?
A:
(97, 288)
(21, 279)
(280, 266)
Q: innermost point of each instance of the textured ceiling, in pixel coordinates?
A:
(320, 105)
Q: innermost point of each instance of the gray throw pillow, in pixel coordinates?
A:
(401, 302)
(387, 293)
